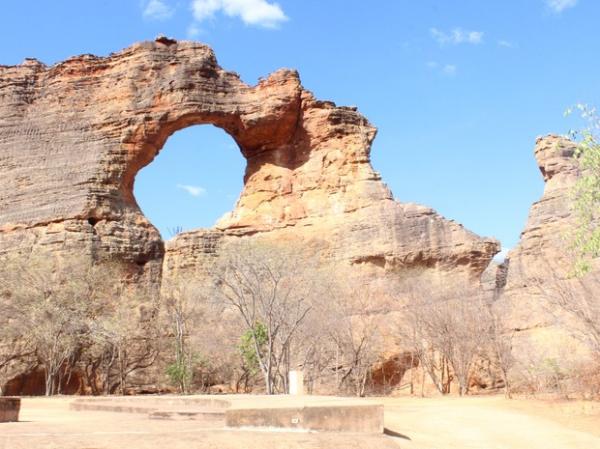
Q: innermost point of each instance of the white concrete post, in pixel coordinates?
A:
(296, 383)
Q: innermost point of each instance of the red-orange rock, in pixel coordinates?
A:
(73, 136)
(539, 270)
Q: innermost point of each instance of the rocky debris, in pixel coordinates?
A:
(161, 38)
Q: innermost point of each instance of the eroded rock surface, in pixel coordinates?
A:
(539, 270)
(73, 136)
(543, 251)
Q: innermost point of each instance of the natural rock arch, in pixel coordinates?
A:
(92, 123)
(196, 178)
(73, 136)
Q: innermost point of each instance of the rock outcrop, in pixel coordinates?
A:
(542, 255)
(545, 241)
(539, 270)
(73, 136)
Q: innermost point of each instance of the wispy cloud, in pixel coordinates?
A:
(446, 69)
(157, 10)
(193, 31)
(449, 69)
(505, 44)
(262, 13)
(196, 191)
(559, 6)
(457, 36)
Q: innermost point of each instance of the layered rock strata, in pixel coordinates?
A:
(539, 271)
(74, 135)
(542, 254)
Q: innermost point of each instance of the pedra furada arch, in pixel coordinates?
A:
(74, 135)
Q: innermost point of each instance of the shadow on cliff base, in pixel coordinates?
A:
(32, 383)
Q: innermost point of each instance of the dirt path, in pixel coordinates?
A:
(488, 423)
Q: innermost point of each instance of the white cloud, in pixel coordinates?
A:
(457, 36)
(205, 9)
(157, 10)
(449, 69)
(442, 38)
(196, 191)
(505, 44)
(559, 6)
(193, 31)
(446, 69)
(252, 12)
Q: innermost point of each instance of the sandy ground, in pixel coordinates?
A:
(493, 422)
(435, 423)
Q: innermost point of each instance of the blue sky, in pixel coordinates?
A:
(458, 89)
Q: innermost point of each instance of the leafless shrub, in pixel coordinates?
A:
(355, 311)
(272, 287)
(572, 304)
(68, 314)
(123, 339)
(448, 329)
(500, 340)
(575, 304)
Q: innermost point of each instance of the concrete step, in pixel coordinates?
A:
(189, 414)
(109, 407)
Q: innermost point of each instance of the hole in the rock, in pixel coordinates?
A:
(195, 179)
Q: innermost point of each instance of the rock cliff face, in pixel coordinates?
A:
(73, 136)
(542, 254)
(539, 269)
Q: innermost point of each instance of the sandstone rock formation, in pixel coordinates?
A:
(73, 136)
(540, 267)
(543, 251)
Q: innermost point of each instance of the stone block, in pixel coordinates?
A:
(9, 409)
(331, 418)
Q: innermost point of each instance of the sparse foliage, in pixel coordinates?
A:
(247, 347)
(183, 312)
(587, 190)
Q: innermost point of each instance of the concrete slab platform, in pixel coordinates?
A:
(307, 413)
(51, 423)
(217, 416)
(363, 418)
